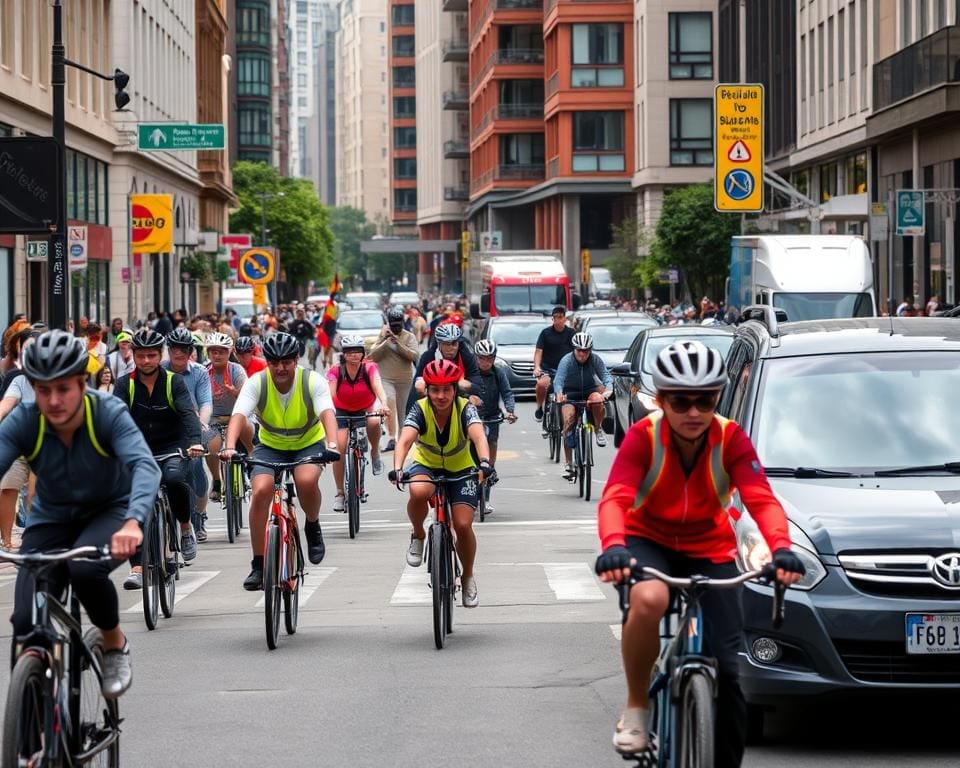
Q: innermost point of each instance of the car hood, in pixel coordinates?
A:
(611, 356)
(845, 514)
(514, 353)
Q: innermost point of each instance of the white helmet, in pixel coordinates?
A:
(689, 365)
(485, 348)
(447, 332)
(351, 341)
(218, 340)
(582, 340)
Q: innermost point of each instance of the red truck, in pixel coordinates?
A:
(516, 282)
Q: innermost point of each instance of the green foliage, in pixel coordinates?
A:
(350, 227)
(298, 223)
(196, 265)
(222, 271)
(628, 240)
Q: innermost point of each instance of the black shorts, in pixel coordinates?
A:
(342, 416)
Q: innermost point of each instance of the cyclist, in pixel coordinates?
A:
(304, 331)
(245, 350)
(162, 408)
(395, 351)
(665, 505)
(295, 412)
(440, 429)
(226, 380)
(449, 346)
(576, 379)
(96, 481)
(492, 387)
(356, 389)
(553, 343)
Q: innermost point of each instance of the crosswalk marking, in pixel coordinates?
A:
(617, 630)
(572, 581)
(310, 583)
(189, 582)
(412, 588)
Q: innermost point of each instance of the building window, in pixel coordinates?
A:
(254, 127)
(404, 106)
(691, 132)
(253, 74)
(405, 168)
(691, 46)
(521, 149)
(86, 188)
(828, 182)
(402, 15)
(253, 25)
(404, 77)
(405, 138)
(403, 45)
(302, 79)
(602, 46)
(856, 174)
(598, 141)
(404, 200)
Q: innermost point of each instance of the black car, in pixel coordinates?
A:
(856, 424)
(516, 338)
(633, 389)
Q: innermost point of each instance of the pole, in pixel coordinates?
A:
(891, 224)
(57, 264)
(129, 262)
(263, 220)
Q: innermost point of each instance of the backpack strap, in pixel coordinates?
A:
(90, 417)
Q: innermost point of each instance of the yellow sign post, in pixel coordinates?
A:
(465, 244)
(585, 266)
(260, 295)
(738, 147)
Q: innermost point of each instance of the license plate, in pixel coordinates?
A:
(933, 633)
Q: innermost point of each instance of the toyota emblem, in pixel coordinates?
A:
(946, 569)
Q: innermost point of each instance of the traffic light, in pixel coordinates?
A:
(120, 97)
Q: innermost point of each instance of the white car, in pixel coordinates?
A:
(366, 323)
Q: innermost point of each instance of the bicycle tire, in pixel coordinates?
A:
(578, 459)
(588, 462)
(271, 585)
(291, 597)
(23, 719)
(353, 497)
(696, 722)
(482, 502)
(169, 563)
(99, 717)
(151, 575)
(453, 572)
(438, 578)
(229, 497)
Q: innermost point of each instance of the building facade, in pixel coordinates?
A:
(254, 81)
(402, 97)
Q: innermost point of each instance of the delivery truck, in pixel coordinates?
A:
(516, 282)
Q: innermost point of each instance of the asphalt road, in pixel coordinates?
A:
(530, 678)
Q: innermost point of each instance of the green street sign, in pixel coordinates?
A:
(910, 212)
(155, 137)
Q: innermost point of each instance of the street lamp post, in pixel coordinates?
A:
(264, 196)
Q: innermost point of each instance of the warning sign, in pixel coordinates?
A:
(739, 153)
(738, 148)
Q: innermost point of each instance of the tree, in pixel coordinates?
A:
(628, 241)
(297, 222)
(350, 227)
(694, 237)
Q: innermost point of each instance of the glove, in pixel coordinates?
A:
(613, 559)
(330, 457)
(787, 560)
(393, 476)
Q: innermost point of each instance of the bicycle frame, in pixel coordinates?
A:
(283, 514)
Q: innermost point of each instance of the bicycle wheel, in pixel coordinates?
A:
(271, 585)
(352, 489)
(23, 720)
(151, 552)
(291, 597)
(169, 563)
(587, 462)
(453, 573)
(578, 458)
(438, 577)
(229, 497)
(696, 722)
(99, 726)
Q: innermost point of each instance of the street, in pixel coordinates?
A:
(530, 678)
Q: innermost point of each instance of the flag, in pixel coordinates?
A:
(336, 285)
(327, 327)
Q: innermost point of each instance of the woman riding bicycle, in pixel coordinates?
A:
(665, 505)
(440, 428)
(356, 390)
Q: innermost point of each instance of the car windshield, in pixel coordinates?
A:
(719, 342)
(515, 333)
(246, 311)
(364, 302)
(613, 337)
(859, 413)
(820, 306)
(352, 321)
(528, 298)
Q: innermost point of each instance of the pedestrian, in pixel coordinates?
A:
(395, 352)
(116, 328)
(104, 381)
(905, 308)
(933, 306)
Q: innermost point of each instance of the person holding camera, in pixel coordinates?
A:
(395, 353)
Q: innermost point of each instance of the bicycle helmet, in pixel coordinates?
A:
(180, 337)
(53, 355)
(245, 344)
(582, 340)
(447, 332)
(351, 342)
(219, 340)
(689, 365)
(147, 338)
(485, 348)
(281, 346)
(395, 314)
(440, 372)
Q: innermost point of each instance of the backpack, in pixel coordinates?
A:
(8, 378)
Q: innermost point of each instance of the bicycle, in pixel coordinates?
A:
(582, 447)
(234, 485)
(282, 551)
(442, 562)
(485, 491)
(354, 469)
(55, 712)
(552, 427)
(683, 683)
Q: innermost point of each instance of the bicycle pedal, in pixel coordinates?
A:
(363, 498)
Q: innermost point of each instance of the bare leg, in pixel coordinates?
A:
(640, 642)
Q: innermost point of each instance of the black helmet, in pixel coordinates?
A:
(244, 344)
(395, 314)
(281, 346)
(181, 337)
(245, 330)
(53, 355)
(147, 338)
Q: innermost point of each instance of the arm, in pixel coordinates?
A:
(380, 346)
(562, 371)
(509, 401)
(323, 404)
(8, 404)
(12, 433)
(378, 390)
(130, 447)
(600, 369)
(204, 396)
(408, 436)
(333, 382)
(538, 356)
(471, 371)
(189, 422)
(478, 437)
(407, 347)
(629, 467)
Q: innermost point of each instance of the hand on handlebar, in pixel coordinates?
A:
(227, 454)
(487, 472)
(512, 417)
(195, 451)
(789, 567)
(329, 456)
(395, 476)
(615, 564)
(125, 541)
(560, 397)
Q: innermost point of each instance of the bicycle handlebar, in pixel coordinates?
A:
(40, 558)
(406, 478)
(363, 418)
(180, 453)
(277, 465)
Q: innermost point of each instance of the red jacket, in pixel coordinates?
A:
(688, 514)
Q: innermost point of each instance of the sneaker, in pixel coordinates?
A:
(215, 491)
(377, 466)
(569, 473)
(201, 534)
(470, 597)
(391, 445)
(188, 545)
(200, 526)
(630, 736)
(339, 501)
(601, 438)
(134, 580)
(316, 549)
(415, 552)
(538, 414)
(116, 672)
(254, 580)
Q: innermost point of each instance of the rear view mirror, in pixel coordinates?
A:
(622, 369)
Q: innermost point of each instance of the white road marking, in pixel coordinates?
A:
(4, 580)
(412, 588)
(572, 581)
(311, 582)
(189, 582)
(617, 630)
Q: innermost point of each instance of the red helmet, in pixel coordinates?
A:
(440, 372)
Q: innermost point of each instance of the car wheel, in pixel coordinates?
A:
(618, 433)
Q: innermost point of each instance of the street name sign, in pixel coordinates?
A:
(910, 212)
(738, 147)
(174, 137)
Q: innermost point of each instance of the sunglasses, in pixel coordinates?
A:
(681, 403)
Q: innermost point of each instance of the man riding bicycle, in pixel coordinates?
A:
(295, 412)
(440, 428)
(449, 346)
(96, 482)
(162, 408)
(576, 379)
(553, 343)
(246, 351)
(492, 387)
(665, 505)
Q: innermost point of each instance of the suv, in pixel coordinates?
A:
(516, 338)
(855, 421)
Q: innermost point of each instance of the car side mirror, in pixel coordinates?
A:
(475, 311)
(622, 369)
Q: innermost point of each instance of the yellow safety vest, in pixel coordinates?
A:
(88, 417)
(455, 456)
(169, 388)
(292, 428)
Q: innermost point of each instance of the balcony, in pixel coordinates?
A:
(520, 56)
(456, 149)
(455, 5)
(520, 172)
(456, 100)
(405, 208)
(456, 194)
(455, 50)
(930, 62)
(519, 111)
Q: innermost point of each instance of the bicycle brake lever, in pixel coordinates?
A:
(623, 590)
(779, 605)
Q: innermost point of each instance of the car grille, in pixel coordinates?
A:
(521, 368)
(888, 662)
(897, 574)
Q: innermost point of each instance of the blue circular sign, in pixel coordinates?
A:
(257, 266)
(76, 250)
(738, 184)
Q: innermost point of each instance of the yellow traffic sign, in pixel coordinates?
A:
(257, 266)
(260, 295)
(738, 147)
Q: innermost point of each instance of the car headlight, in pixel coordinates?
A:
(753, 552)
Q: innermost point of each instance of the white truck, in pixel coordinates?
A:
(809, 277)
(240, 300)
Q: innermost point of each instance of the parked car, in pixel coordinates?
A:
(516, 338)
(633, 390)
(613, 335)
(364, 300)
(359, 322)
(855, 421)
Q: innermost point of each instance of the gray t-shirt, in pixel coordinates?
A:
(22, 390)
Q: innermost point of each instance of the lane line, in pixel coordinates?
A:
(412, 588)
(189, 582)
(617, 630)
(311, 583)
(572, 581)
